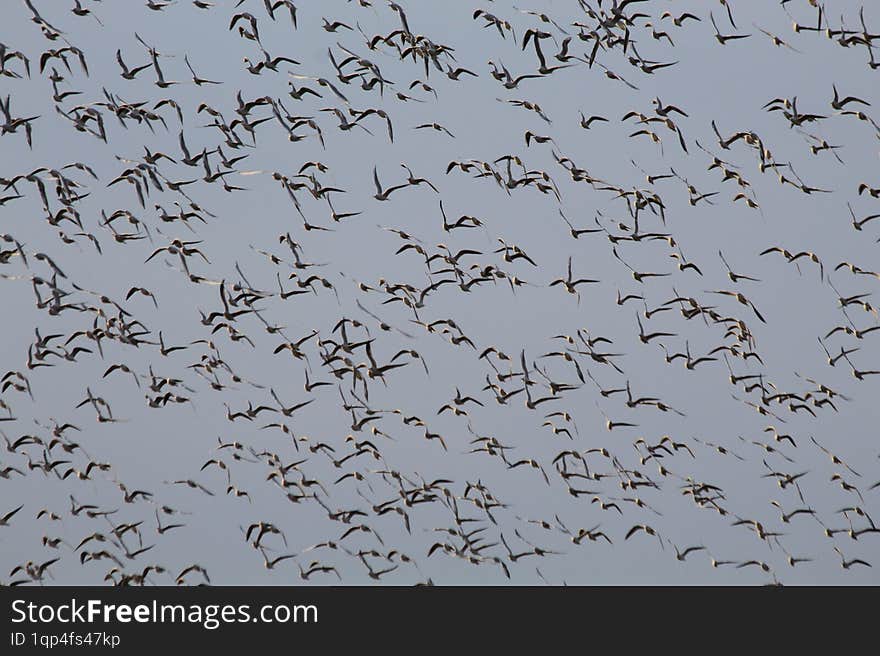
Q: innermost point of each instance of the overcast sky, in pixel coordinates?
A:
(728, 84)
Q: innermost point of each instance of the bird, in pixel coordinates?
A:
(571, 284)
(724, 38)
(847, 564)
(642, 527)
(4, 520)
(129, 73)
(383, 194)
(682, 555)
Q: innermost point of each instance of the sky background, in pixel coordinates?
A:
(727, 84)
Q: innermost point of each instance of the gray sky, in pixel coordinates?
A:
(728, 84)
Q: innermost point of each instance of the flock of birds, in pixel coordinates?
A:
(489, 438)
